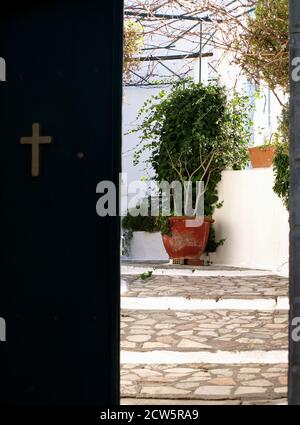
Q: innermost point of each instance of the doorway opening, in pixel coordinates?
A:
(208, 328)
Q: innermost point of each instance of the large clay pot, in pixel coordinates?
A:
(189, 237)
(262, 157)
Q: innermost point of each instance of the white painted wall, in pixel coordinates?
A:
(253, 220)
(147, 247)
(133, 100)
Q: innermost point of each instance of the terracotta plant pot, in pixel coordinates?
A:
(189, 237)
(262, 157)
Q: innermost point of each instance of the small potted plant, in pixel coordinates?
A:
(262, 156)
(193, 133)
(141, 238)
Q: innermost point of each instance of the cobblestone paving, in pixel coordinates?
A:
(204, 330)
(252, 384)
(216, 288)
(169, 402)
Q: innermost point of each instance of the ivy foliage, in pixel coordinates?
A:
(281, 162)
(212, 243)
(140, 223)
(193, 133)
(137, 223)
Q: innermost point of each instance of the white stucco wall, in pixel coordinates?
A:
(133, 100)
(253, 221)
(147, 247)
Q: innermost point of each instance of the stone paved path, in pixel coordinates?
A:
(208, 331)
(207, 287)
(204, 330)
(196, 402)
(205, 382)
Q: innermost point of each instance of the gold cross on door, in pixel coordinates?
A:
(35, 140)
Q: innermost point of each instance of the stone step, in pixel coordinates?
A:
(209, 293)
(204, 331)
(255, 384)
(219, 339)
(128, 401)
(163, 269)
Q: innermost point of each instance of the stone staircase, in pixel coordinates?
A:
(204, 336)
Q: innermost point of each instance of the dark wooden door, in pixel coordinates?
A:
(294, 344)
(59, 261)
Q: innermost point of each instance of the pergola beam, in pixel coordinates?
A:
(170, 16)
(173, 57)
(177, 21)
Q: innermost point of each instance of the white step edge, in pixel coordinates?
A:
(182, 303)
(134, 270)
(207, 357)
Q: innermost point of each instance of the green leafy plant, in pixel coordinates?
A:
(164, 225)
(281, 162)
(140, 223)
(127, 236)
(213, 244)
(146, 275)
(193, 133)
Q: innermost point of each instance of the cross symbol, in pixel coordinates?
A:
(36, 140)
